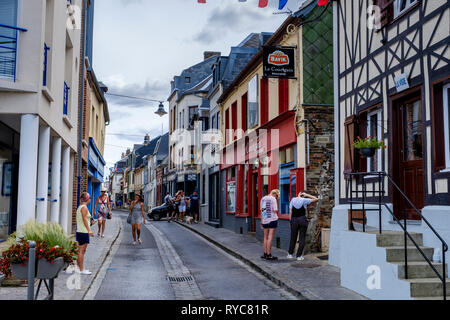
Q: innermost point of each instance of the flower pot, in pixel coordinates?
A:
(48, 270)
(367, 152)
(20, 271)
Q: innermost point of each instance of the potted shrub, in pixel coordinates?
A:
(54, 250)
(368, 146)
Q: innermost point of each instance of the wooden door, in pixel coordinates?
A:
(409, 157)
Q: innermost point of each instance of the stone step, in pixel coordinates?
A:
(437, 298)
(417, 270)
(427, 287)
(397, 238)
(397, 253)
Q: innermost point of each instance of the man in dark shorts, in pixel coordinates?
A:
(194, 203)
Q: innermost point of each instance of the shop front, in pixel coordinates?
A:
(9, 164)
(95, 173)
(263, 160)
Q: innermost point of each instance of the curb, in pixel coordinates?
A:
(108, 253)
(278, 282)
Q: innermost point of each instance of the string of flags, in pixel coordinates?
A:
(281, 4)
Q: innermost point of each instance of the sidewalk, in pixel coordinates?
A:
(97, 252)
(312, 278)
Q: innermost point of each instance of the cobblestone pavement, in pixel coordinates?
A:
(313, 279)
(67, 287)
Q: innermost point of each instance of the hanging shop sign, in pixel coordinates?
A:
(279, 62)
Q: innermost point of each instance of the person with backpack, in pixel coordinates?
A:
(299, 223)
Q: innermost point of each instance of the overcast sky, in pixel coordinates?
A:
(140, 45)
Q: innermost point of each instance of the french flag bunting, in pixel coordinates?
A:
(322, 2)
(263, 3)
(282, 4)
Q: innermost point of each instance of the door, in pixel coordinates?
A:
(254, 200)
(409, 161)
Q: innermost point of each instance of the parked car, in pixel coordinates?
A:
(157, 213)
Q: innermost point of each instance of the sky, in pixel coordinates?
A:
(140, 45)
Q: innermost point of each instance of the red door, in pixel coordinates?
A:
(409, 157)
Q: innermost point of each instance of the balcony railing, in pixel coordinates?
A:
(66, 99)
(8, 51)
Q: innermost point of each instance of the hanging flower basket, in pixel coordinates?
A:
(368, 146)
(49, 270)
(367, 152)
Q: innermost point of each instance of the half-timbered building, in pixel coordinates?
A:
(392, 81)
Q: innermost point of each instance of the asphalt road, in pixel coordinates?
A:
(138, 272)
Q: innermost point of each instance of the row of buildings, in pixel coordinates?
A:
(359, 68)
(53, 111)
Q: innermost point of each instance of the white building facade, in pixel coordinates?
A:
(39, 75)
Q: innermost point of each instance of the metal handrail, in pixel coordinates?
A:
(403, 226)
(9, 57)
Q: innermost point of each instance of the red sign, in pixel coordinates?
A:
(279, 58)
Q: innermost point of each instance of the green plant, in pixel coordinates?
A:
(32, 231)
(368, 142)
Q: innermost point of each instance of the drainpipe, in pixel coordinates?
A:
(81, 102)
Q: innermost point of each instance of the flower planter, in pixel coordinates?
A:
(2, 277)
(20, 271)
(367, 152)
(48, 270)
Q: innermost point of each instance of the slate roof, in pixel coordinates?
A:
(145, 151)
(163, 148)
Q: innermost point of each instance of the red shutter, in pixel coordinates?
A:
(349, 150)
(438, 128)
(264, 100)
(283, 95)
(244, 108)
(227, 123)
(234, 116)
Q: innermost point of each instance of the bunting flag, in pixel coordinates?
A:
(263, 3)
(282, 4)
(322, 2)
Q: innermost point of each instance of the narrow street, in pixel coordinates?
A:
(169, 251)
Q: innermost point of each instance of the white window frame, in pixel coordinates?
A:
(397, 3)
(446, 107)
(379, 138)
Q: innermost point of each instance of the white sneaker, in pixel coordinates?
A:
(86, 272)
(300, 259)
(290, 256)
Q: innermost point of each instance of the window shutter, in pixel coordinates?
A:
(438, 128)
(349, 151)
(264, 100)
(283, 95)
(387, 11)
(244, 108)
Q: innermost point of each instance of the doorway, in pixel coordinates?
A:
(408, 155)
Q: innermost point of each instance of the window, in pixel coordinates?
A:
(253, 106)
(234, 117)
(231, 190)
(188, 80)
(401, 6)
(287, 163)
(8, 38)
(227, 125)
(192, 112)
(374, 129)
(446, 105)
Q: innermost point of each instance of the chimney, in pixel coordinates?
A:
(128, 152)
(209, 54)
(147, 139)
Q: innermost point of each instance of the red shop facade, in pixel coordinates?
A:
(257, 163)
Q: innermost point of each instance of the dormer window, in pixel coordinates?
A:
(188, 80)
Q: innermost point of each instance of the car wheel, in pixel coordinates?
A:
(156, 216)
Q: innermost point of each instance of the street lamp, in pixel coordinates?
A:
(161, 112)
